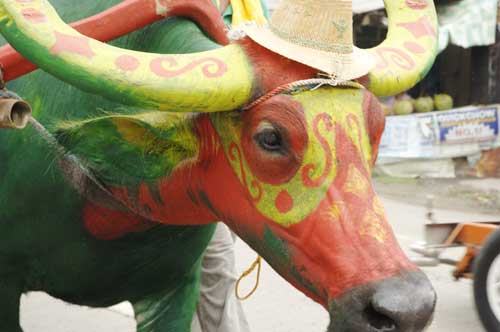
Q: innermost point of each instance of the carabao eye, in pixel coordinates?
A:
(270, 140)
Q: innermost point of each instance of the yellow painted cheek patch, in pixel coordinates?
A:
(372, 225)
(356, 183)
(290, 203)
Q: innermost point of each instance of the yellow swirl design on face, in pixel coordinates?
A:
(356, 183)
(335, 212)
(337, 105)
(373, 226)
(378, 207)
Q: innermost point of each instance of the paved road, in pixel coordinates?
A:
(276, 307)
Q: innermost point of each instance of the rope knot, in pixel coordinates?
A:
(255, 265)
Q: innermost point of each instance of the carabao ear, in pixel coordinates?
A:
(127, 150)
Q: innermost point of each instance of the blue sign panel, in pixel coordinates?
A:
(468, 125)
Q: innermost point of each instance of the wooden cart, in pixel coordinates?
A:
(481, 261)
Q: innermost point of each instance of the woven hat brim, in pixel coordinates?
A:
(343, 66)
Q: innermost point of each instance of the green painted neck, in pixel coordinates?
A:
(128, 150)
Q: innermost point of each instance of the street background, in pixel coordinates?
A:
(469, 72)
(277, 307)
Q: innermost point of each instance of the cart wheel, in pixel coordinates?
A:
(487, 283)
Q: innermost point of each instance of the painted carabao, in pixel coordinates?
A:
(126, 210)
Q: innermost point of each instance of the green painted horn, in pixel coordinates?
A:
(218, 80)
(410, 49)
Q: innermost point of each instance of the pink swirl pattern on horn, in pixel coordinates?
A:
(419, 28)
(409, 50)
(396, 56)
(72, 44)
(127, 63)
(417, 4)
(33, 15)
(414, 47)
(211, 67)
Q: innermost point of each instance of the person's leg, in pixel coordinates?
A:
(218, 309)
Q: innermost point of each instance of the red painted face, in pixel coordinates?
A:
(294, 182)
(274, 139)
(292, 178)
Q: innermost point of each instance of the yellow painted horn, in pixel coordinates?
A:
(218, 80)
(410, 49)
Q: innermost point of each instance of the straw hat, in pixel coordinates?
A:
(317, 33)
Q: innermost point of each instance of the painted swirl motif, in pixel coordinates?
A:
(414, 48)
(419, 28)
(79, 45)
(307, 180)
(417, 4)
(255, 189)
(353, 123)
(355, 126)
(33, 15)
(392, 56)
(211, 67)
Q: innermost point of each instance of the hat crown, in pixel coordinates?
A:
(332, 21)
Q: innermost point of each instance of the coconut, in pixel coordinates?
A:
(424, 105)
(403, 107)
(443, 102)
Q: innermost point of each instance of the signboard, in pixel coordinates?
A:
(408, 137)
(454, 133)
(468, 126)
(395, 137)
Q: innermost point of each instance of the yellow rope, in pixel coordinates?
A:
(257, 264)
